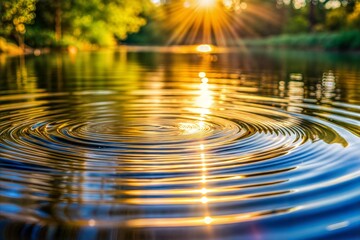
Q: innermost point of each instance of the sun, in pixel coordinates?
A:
(214, 22)
(204, 48)
(206, 3)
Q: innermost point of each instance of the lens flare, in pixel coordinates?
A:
(204, 48)
(208, 220)
(216, 22)
(206, 3)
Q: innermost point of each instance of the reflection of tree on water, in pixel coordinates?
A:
(14, 74)
(50, 69)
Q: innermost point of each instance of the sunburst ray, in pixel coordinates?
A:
(216, 22)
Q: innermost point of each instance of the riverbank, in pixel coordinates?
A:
(340, 41)
(348, 41)
(9, 48)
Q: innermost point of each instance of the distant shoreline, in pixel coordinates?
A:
(346, 41)
(341, 42)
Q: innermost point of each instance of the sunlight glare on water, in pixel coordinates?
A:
(204, 48)
(149, 145)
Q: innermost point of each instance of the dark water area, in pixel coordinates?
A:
(149, 145)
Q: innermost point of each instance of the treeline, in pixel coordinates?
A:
(60, 23)
(87, 23)
(264, 18)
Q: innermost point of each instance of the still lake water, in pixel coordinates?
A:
(159, 145)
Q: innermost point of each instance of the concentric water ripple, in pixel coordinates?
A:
(204, 152)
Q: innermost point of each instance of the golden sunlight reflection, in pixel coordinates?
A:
(204, 48)
(218, 220)
(202, 74)
(204, 190)
(205, 99)
(72, 50)
(295, 92)
(208, 220)
(204, 102)
(92, 222)
(328, 87)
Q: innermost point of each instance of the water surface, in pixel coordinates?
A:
(149, 145)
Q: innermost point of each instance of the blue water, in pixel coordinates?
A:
(159, 145)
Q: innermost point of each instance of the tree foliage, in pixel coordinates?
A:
(14, 16)
(95, 21)
(354, 17)
(57, 23)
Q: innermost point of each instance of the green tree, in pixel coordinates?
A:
(354, 18)
(297, 24)
(155, 32)
(14, 16)
(100, 22)
(336, 19)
